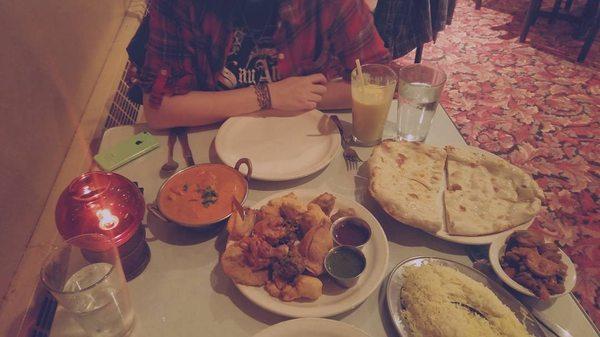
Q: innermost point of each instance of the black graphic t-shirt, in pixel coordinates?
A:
(253, 57)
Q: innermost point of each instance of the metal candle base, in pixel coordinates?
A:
(134, 254)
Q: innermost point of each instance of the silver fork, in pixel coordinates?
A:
(350, 155)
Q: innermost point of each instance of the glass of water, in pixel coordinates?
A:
(85, 276)
(419, 90)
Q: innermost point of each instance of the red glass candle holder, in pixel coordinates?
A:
(110, 204)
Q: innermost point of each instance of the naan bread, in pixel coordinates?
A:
(406, 180)
(486, 194)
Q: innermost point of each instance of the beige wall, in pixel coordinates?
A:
(51, 53)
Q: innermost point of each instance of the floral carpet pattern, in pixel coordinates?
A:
(534, 105)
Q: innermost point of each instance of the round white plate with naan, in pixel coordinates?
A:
(459, 194)
(280, 147)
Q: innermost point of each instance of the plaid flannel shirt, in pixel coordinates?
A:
(187, 44)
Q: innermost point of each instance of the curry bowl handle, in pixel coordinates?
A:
(153, 208)
(248, 163)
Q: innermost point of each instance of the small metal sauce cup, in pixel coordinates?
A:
(357, 221)
(346, 282)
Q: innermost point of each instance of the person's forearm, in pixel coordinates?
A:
(200, 108)
(338, 96)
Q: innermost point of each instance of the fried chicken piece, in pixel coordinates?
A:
(303, 286)
(512, 257)
(289, 267)
(550, 251)
(555, 287)
(526, 280)
(277, 202)
(276, 287)
(326, 201)
(542, 292)
(314, 216)
(259, 253)
(314, 247)
(537, 287)
(540, 265)
(309, 287)
(268, 210)
(289, 206)
(511, 272)
(522, 251)
(342, 213)
(238, 228)
(548, 247)
(271, 228)
(526, 239)
(292, 211)
(234, 265)
(552, 256)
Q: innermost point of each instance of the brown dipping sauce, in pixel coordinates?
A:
(351, 231)
(202, 194)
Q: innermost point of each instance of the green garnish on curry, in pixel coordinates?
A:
(209, 196)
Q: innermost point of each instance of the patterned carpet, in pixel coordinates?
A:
(534, 105)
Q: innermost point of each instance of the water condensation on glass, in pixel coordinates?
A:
(417, 103)
(103, 310)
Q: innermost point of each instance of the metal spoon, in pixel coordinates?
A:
(171, 165)
(471, 309)
(547, 322)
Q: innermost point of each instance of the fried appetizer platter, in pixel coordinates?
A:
(281, 246)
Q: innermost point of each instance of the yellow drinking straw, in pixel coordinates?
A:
(360, 73)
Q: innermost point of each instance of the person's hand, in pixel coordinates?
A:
(298, 92)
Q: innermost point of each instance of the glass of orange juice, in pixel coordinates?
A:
(372, 96)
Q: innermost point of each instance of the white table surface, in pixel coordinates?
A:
(183, 291)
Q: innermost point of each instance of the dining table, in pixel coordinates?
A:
(184, 292)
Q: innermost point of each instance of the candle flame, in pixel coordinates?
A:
(106, 220)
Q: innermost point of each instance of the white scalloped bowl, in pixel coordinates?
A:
(497, 249)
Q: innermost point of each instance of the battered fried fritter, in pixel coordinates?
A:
(234, 266)
(326, 201)
(238, 228)
(314, 216)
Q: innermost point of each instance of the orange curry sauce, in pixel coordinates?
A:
(201, 195)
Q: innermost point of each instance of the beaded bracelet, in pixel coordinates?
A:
(263, 95)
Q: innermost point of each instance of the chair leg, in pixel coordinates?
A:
(529, 18)
(555, 11)
(536, 14)
(568, 5)
(586, 23)
(478, 4)
(588, 41)
(419, 53)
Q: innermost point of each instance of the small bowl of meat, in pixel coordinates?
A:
(531, 265)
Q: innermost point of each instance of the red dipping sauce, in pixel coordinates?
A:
(351, 231)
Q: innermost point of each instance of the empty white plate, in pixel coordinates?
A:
(303, 327)
(279, 147)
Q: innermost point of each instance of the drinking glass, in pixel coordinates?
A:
(371, 101)
(419, 90)
(85, 276)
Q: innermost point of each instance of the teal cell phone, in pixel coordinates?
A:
(126, 151)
